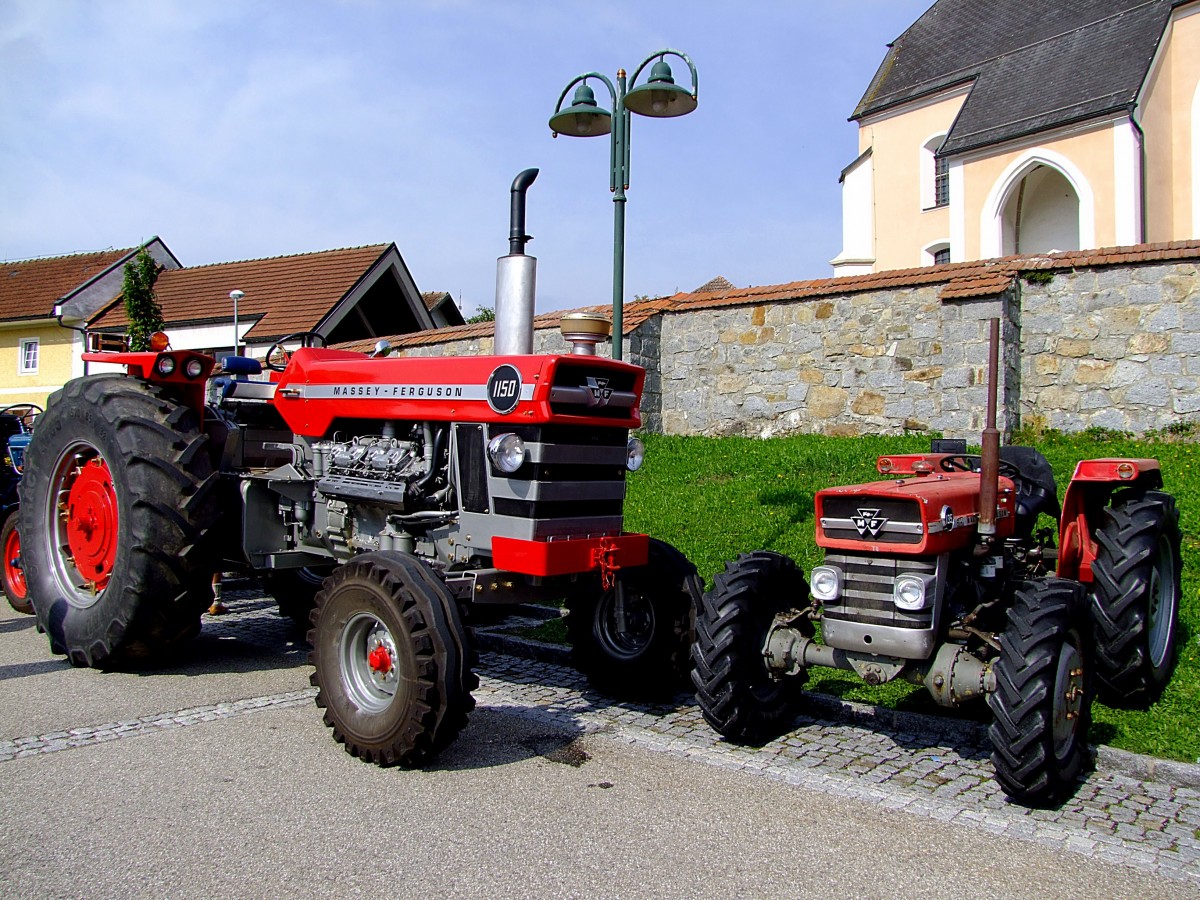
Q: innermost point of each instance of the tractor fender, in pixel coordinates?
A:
(1092, 487)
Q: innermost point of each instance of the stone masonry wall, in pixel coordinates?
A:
(1115, 347)
(1112, 346)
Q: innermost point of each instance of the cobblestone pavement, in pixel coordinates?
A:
(918, 767)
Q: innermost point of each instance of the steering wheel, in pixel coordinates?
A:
(960, 462)
(306, 339)
(25, 413)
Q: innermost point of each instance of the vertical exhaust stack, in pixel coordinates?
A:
(516, 278)
(989, 476)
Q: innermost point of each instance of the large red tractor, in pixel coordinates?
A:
(401, 492)
(940, 575)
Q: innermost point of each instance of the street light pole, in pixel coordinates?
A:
(659, 97)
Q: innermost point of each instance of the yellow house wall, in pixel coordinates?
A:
(1166, 118)
(902, 227)
(1091, 152)
(55, 355)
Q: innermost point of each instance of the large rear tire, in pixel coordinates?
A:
(737, 694)
(633, 641)
(392, 660)
(1135, 600)
(1042, 705)
(116, 502)
(12, 572)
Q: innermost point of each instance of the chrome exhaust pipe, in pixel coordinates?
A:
(516, 279)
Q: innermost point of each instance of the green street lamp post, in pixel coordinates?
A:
(658, 98)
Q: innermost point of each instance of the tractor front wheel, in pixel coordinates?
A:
(392, 661)
(1135, 600)
(1042, 704)
(633, 640)
(11, 571)
(737, 694)
(117, 499)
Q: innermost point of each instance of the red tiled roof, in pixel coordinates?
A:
(978, 278)
(29, 288)
(286, 293)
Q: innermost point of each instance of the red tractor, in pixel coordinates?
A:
(941, 576)
(402, 493)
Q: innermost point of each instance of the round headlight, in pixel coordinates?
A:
(909, 592)
(193, 368)
(507, 452)
(826, 583)
(635, 455)
(165, 365)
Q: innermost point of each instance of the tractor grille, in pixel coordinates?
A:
(867, 590)
(583, 390)
(572, 483)
(876, 520)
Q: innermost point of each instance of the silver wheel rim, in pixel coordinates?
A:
(624, 623)
(365, 643)
(1160, 617)
(74, 588)
(1068, 699)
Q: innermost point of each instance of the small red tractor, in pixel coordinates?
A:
(396, 494)
(941, 576)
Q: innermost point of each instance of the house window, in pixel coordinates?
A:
(27, 356)
(941, 181)
(935, 175)
(108, 343)
(936, 254)
(941, 257)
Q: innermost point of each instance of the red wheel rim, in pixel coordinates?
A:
(14, 575)
(91, 523)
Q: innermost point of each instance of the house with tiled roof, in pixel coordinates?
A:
(43, 304)
(358, 293)
(52, 309)
(1001, 127)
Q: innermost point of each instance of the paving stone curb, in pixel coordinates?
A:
(1107, 759)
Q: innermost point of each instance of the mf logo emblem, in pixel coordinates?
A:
(868, 522)
(600, 391)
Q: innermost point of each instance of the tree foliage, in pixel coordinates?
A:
(141, 306)
(482, 314)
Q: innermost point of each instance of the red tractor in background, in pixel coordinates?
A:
(402, 493)
(940, 575)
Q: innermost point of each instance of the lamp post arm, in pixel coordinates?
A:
(612, 91)
(668, 52)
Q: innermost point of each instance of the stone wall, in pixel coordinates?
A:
(1108, 346)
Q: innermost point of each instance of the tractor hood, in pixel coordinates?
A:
(321, 386)
(921, 515)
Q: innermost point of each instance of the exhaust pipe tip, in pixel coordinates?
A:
(583, 331)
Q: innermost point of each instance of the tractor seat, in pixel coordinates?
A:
(1036, 489)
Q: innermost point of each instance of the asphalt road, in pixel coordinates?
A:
(216, 778)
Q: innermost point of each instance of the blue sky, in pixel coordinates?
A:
(237, 130)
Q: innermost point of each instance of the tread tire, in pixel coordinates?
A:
(1037, 755)
(166, 504)
(1135, 626)
(654, 665)
(431, 699)
(736, 693)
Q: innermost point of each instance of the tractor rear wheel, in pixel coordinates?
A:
(392, 660)
(1042, 704)
(737, 694)
(633, 640)
(117, 499)
(11, 572)
(1135, 600)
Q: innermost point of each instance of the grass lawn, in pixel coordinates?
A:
(716, 497)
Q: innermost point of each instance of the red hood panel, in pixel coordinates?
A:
(911, 516)
(320, 386)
